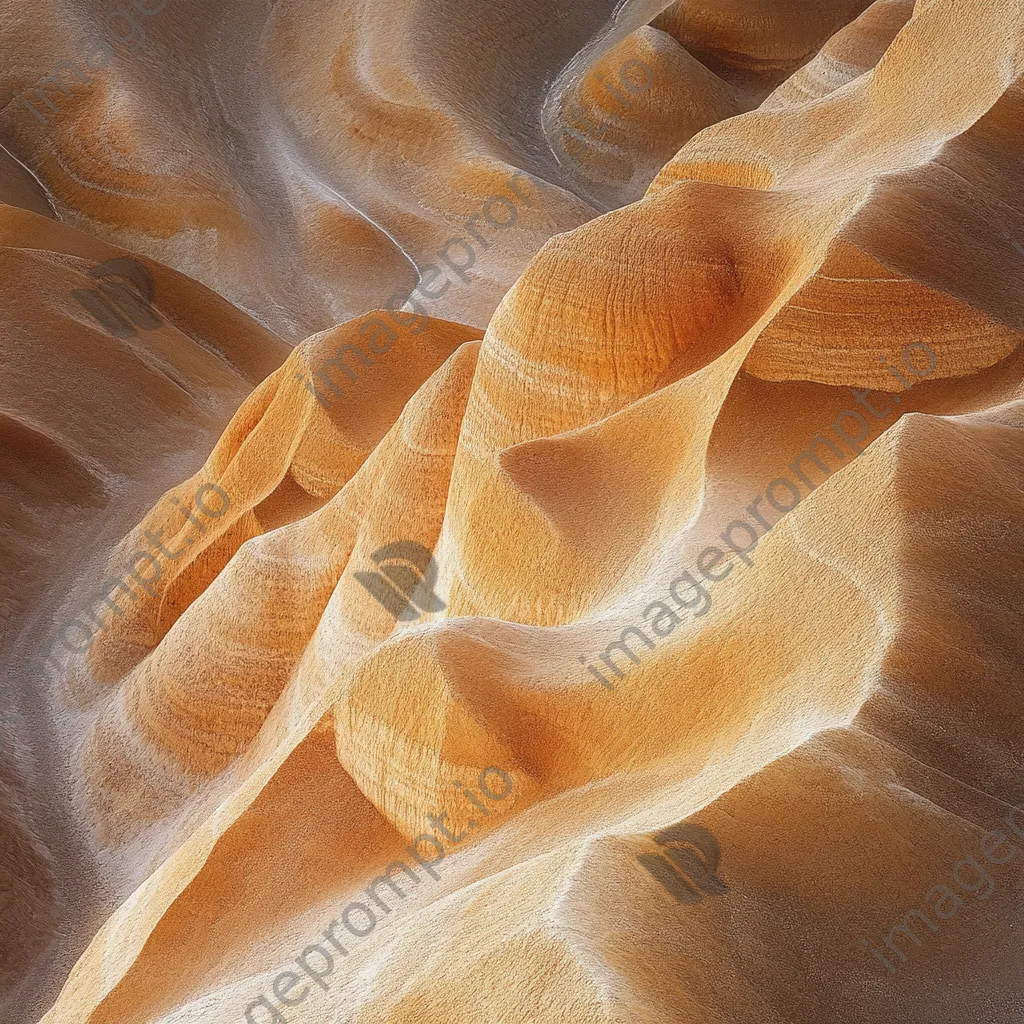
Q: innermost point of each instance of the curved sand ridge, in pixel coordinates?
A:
(315, 179)
(755, 46)
(263, 739)
(321, 173)
(961, 168)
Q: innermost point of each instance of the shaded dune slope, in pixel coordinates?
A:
(92, 429)
(327, 166)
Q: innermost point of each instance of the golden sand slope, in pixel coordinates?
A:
(257, 739)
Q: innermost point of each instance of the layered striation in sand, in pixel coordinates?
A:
(712, 440)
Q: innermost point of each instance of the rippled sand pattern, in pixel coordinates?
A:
(776, 283)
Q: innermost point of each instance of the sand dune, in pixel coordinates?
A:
(709, 439)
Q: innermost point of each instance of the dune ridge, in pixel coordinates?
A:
(805, 194)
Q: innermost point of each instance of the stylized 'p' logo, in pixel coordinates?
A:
(120, 307)
(405, 583)
(688, 867)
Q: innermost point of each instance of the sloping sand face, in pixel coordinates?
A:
(620, 624)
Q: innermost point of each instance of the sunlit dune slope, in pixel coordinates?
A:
(884, 284)
(251, 740)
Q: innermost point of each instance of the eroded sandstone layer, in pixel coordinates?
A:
(680, 345)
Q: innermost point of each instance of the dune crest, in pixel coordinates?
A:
(551, 559)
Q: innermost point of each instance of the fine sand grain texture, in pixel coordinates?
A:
(510, 512)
